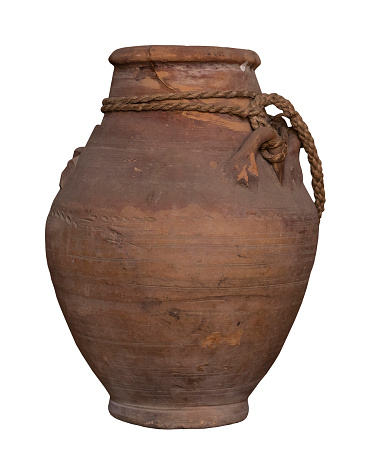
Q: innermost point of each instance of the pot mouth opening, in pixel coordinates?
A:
(182, 54)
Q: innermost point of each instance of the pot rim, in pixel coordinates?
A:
(184, 53)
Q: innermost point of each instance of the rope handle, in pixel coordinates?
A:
(255, 112)
(303, 133)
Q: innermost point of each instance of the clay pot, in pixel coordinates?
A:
(180, 270)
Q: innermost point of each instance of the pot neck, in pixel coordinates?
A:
(151, 70)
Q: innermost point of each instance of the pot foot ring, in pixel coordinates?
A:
(194, 417)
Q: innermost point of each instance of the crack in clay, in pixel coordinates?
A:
(156, 73)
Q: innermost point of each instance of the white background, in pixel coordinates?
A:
(312, 408)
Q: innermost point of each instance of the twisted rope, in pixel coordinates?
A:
(255, 112)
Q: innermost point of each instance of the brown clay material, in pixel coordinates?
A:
(179, 255)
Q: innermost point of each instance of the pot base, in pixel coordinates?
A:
(199, 417)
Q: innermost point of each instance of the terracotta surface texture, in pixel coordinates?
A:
(179, 282)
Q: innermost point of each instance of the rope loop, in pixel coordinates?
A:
(256, 114)
(279, 124)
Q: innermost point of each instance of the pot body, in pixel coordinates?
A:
(179, 283)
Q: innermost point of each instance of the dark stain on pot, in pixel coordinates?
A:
(221, 282)
(202, 367)
(151, 198)
(175, 313)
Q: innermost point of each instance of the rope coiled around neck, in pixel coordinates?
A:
(255, 112)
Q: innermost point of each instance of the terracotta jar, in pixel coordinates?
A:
(179, 270)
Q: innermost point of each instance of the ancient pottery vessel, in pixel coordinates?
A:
(179, 252)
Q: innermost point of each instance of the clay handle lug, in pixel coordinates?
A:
(242, 165)
(71, 165)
